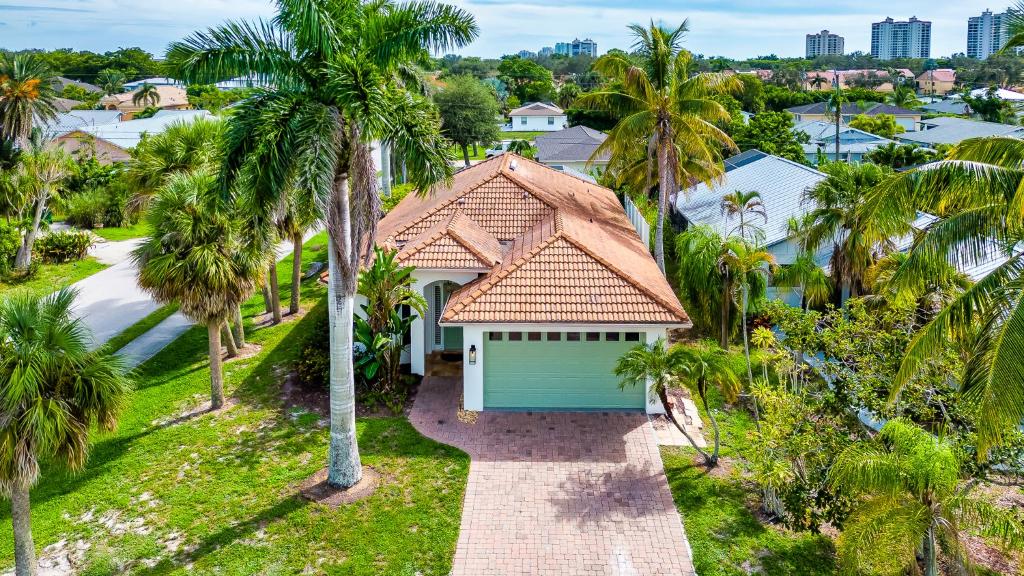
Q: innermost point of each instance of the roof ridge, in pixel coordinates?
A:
(457, 236)
(642, 288)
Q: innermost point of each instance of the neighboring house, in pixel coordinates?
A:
(954, 105)
(572, 148)
(171, 98)
(1001, 93)
(536, 280)
(908, 119)
(74, 119)
(950, 130)
(60, 83)
(537, 116)
(941, 81)
(159, 81)
(112, 142)
(853, 143)
(848, 78)
(66, 104)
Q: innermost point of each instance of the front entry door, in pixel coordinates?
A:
(447, 338)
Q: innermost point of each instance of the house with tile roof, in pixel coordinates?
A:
(572, 148)
(908, 119)
(537, 117)
(940, 81)
(171, 98)
(536, 280)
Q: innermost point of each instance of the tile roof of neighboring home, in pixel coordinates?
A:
(60, 83)
(852, 108)
(576, 144)
(169, 96)
(949, 130)
(537, 109)
(781, 182)
(939, 75)
(568, 252)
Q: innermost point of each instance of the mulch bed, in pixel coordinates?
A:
(316, 489)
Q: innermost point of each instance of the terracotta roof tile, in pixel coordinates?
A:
(456, 242)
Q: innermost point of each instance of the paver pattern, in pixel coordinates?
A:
(557, 493)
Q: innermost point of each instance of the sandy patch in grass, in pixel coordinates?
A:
(316, 489)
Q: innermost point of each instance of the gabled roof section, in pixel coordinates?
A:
(454, 243)
(576, 144)
(852, 108)
(537, 109)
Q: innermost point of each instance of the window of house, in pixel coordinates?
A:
(515, 336)
(593, 336)
(494, 336)
(522, 120)
(554, 336)
(572, 336)
(551, 120)
(533, 336)
(611, 336)
(632, 336)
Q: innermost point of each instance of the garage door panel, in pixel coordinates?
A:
(556, 374)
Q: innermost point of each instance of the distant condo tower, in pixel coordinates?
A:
(909, 39)
(986, 34)
(577, 47)
(824, 43)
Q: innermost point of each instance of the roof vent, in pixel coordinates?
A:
(461, 202)
(512, 165)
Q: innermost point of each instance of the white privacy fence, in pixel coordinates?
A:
(639, 222)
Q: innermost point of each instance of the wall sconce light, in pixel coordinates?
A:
(472, 354)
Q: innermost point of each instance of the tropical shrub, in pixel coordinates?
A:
(10, 239)
(65, 246)
(398, 193)
(87, 210)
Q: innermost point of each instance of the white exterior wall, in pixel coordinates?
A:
(421, 279)
(473, 335)
(539, 123)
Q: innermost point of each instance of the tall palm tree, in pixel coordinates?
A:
(706, 366)
(743, 205)
(706, 286)
(834, 108)
(147, 95)
(200, 255)
(837, 220)
(978, 191)
(803, 275)
(26, 95)
(331, 71)
(912, 504)
(663, 101)
(42, 170)
(53, 391)
(659, 368)
(181, 147)
(904, 97)
(111, 81)
(817, 82)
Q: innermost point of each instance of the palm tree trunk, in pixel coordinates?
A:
(216, 371)
(664, 182)
(24, 548)
(23, 259)
(931, 563)
(293, 306)
(344, 468)
(714, 425)
(239, 332)
(385, 168)
(726, 304)
(275, 294)
(268, 305)
(663, 395)
(465, 154)
(229, 340)
(746, 352)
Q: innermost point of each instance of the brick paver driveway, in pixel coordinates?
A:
(558, 493)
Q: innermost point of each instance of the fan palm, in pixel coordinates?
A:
(42, 171)
(659, 368)
(911, 503)
(836, 219)
(706, 366)
(744, 205)
(26, 95)
(979, 192)
(147, 95)
(568, 94)
(662, 101)
(111, 81)
(53, 391)
(200, 256)
(181, 147)
(331, 68)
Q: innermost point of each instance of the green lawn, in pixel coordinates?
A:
(117, 234)
(168, 493)
(719, 509)
(456, 153)
(524, 135)
(50, 277)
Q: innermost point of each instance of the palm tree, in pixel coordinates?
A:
(911, 504)
(978, 192)
(904, 97)
(42, 170)
(803, 275)
(659, 368)
(181, 147)
(147, 95)
(817, 82)
(706, 366)
(330, 68)
(898, 156)
(53, 391)
(568, 94)
(834, 108)
(837, 219)
(706, 286)
(742, 205)
(662, 101)
(201, 256)
(111, 81)
(1015, 30)
(936, 287)
(26, 95)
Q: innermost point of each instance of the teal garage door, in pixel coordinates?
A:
(557, 371)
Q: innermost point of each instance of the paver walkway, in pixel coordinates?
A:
(563, 494)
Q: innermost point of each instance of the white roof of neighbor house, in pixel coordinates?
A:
(75, 119)
(949, 130)
(1001, 93)
(781, 182)
(127, 134)
(158, 81)
(851, 140)
(537, 109)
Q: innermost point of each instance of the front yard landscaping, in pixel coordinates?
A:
(116, 234)
(49, 277)
(178, 490)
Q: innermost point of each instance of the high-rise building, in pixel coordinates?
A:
(577, 47)
(823, 44)
(986, 34)
(563, 48)
(905, 39)
(546, 51)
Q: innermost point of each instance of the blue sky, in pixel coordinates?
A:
(736, 28)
